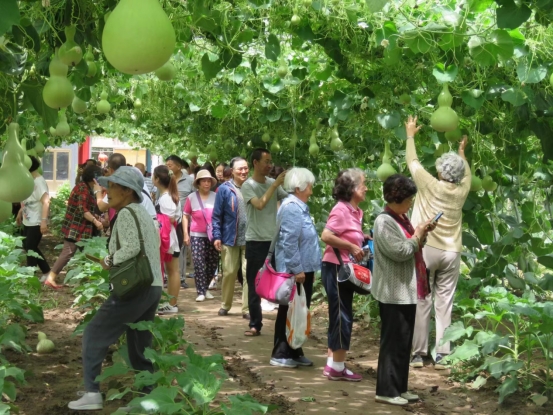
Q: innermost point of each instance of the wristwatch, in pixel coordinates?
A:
(108, 260)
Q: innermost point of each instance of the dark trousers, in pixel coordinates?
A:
(256, 252)
(282, 349)
(109, 323)
(33, 236)
(340, 308)
(396, 336)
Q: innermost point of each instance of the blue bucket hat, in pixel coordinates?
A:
(126, 176)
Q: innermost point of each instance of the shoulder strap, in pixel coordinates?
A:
(146, 193)
(140, 238)
(201, 206)
(339, 256)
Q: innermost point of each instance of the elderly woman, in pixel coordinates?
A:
(34, 216)
(79, 222)
(442, 253)
(185, 186)
(198, 209)
(297, 252)
(342, 231)
(112, 318)
(399, 278)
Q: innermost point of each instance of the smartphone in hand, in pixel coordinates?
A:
(437, 217)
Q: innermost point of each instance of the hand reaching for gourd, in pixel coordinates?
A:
(411, 127)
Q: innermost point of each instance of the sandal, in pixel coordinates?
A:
(252, 333)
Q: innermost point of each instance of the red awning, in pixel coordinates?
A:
(84, 150)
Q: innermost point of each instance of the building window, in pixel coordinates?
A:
(55, 168)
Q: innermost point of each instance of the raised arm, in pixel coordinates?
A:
(420, 175)
(260, 202)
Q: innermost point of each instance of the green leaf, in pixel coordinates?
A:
(33, 92)
(539, 400)
(160, 401)
(253, 65)
(418, 42)
(444, 73)
(490, 342)
(229, 59)
(478, 382)
(375, 6)
(219, 110)
(84, 94)
(388, 32)
(474, 98)
(486, 52)
(479, 6)
(272, 48)
(193, 107)
(244, 405)
(484, 230)
(274, 85)
(9, 16)
(201, 385)
(115, 370)
(515, 96)
(450, 41)
(260, 4)
(464, 352)
(509, 386)
(531, 74)
(209, 68)
(511, 16)
(390, 120)
(546, 261)
(454, 332)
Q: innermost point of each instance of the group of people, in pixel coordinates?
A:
(229, 213)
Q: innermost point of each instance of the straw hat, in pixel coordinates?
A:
(204, 174)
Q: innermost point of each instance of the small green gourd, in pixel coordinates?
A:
(313, 147)
(58, 91)
(16, 183)
(44, 344)
(385, 170)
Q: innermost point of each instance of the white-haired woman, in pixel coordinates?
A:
(297, 252)
(442, 252)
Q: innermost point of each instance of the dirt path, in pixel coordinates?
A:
(52, 380)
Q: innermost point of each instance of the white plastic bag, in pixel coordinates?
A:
(298, 320)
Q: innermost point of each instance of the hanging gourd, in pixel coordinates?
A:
(248, 101)
(103, 105)
(27, 162)
(475, 181)
(58, 91)
(39, 148)
(70, 52)
(193, 153)
(78, 105)
(275, 146)
(89, 58)
(62, 129)
(266, 137)
(454, 136)
(282, 70)
(166, 72)
(385, 170)
(16, 183)
(444, 119)
(488, 184)
(293, 141)
(137, 103)
(313, 147)
(335, 142)
(138, 37)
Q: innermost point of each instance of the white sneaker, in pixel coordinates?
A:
(90, 401)
(167, 309)
(411, 397)
(208, 296)
(200, 298)
(398, 400)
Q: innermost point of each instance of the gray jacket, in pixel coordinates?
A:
(394, 275)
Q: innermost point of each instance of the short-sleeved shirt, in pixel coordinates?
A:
(32, 206)
(81, 200)
(345, 222)
(261, 223)
(173, 211)
(192, 208)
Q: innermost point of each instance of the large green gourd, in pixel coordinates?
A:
(444, 119)
(166, 72)
(58, 91)
(138, 36)
(385, 170)
(16, 183)
(70, 52)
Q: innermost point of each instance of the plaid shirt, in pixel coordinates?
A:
(75, 226)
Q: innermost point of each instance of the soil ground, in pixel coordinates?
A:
(54, 379)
